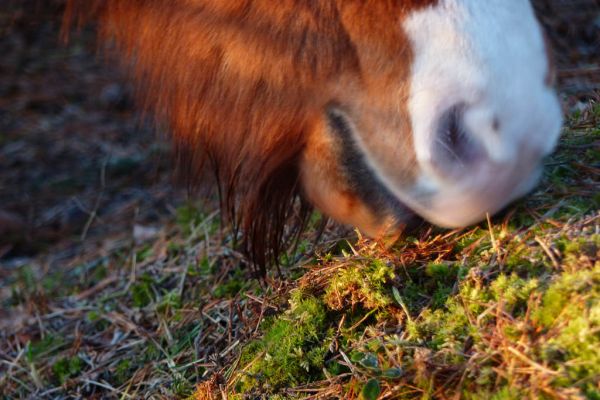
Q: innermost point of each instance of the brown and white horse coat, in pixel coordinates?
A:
(369, 110)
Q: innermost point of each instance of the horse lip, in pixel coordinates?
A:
(360, 176)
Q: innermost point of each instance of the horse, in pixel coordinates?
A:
(370, 111)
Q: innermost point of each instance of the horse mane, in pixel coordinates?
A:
(235, 81)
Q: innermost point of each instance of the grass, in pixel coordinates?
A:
(508, 309)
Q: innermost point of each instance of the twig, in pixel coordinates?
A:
(548, 251)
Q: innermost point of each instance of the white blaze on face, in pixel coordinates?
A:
(489, 57)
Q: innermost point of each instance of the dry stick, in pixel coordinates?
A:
(356, 325)
(548, 251)
(94, 213)
(529, 361)
(230, 348)
(348, 362)
(14, 364)
(133, 272)
(50, 391)
(105, 386)
(492, 236)
(96, 288)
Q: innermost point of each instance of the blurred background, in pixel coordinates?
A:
(78, 166)
(76, 163)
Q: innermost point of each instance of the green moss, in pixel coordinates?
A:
(169, 303)
(93, 316)
(581, 252)
(440, 271)
(141, 291)
(441, 328)
(149, 352)
(43, 347)
(189, 214)
(144, 253)
(361, 284)
(182, 388)
(184, 338)
(31, 284)
(513, 291)
(292, 349)
(469, 240)
(571, 305)
(66, 368)
(122, 371)
(521, 260)
(558, 300)
(504, 393)
(455, 314)
(203, 268)
(25, 285)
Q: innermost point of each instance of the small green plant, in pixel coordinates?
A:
(359, 283)
(141, 291)
(292, 349)
(43, 347)
(371, 390)
(66, 368)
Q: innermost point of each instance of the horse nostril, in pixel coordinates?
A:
(454, 147)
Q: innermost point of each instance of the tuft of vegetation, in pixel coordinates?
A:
(360, 284)
(292, 350)
(66, 368)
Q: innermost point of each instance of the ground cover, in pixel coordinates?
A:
(115, 284)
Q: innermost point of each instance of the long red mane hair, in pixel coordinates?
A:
(237, 82)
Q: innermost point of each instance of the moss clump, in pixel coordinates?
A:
(66, 368)
(580, 253)
(292, 350)
(141, 291)
(441, 328)
(558, 302)
(571, 306)
(361, 284)
(122, 371)
(504, 393)
(513, 291)
(43, 347)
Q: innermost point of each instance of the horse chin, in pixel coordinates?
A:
(399, 223)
